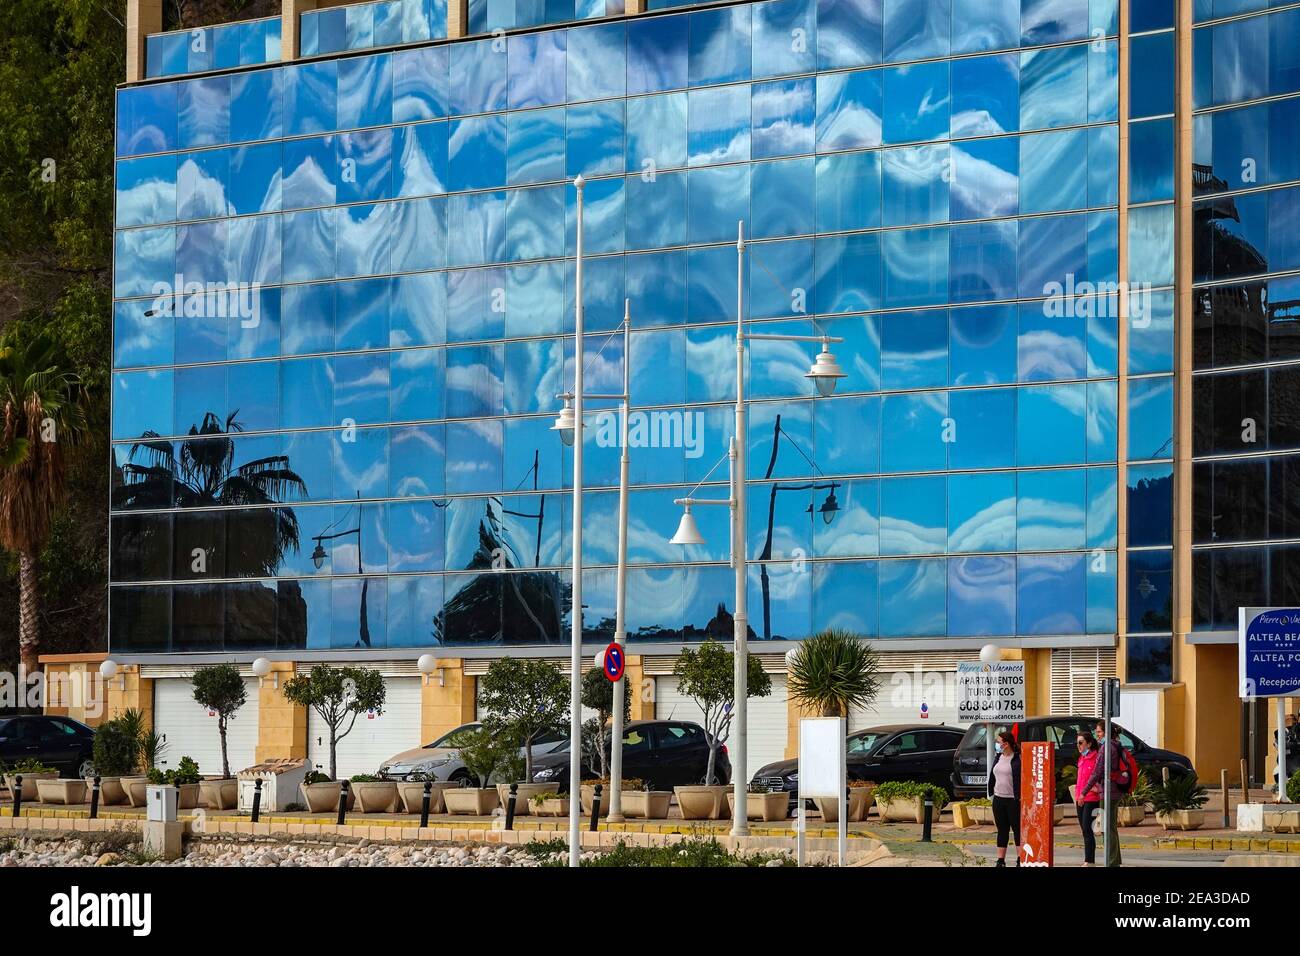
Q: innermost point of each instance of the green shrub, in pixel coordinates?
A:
(539, 798)
(117, 750)
(979, 802)
(907, 789)
(186, 772)
(1293, 788)
(1183, 792)
(363, 778)
(1140, 795)
(315, 776)
(30, 765)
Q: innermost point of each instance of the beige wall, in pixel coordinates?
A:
(448, 702)
(281, 726)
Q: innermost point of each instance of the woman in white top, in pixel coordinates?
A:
(1004, 791)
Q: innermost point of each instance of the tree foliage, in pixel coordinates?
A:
(708, 676)
(833, 672)
(338, 695)
(524, 698)
(221, 690)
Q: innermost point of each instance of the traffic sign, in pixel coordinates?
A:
(990, 691)
(613, 661)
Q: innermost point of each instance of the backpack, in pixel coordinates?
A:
(1125, 777)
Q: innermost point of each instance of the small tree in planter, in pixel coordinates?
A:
(484, 753)
(834, 671)
(1178, 803)
(117, 755)
(221, 690)
(598, 694)
(338, 695)
(524, 699)
(707, 676)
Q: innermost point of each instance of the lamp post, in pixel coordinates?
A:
(319, 554)
(824, 373)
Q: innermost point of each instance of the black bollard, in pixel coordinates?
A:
(595, 807)
(424, 804)
(257, 799)
(510, 806)
(343, 801)
(94, 797)
(929, 818)
(18, 796)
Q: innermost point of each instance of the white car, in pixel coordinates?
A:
(440, 760)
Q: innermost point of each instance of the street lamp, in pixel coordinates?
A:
(825, 373)
(319, 554)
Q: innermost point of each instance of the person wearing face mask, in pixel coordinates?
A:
(1004, 791)
(1088, 794)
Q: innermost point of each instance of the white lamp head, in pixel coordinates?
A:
(427, 664)
(990, 654)
(261, 667)
(108, 669)
(825, 371)
(565, 421)
(600, 660)
(790, 657)
(688, 532)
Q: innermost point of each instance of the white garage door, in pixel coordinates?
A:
(189, 731)
(767, 718)
(374, 738)
(909, 697)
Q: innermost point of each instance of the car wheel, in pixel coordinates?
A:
(86, 768)
(463, 778)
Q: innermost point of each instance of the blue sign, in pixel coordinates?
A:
(1269, 652)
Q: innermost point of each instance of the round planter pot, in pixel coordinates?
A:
(411, 794)
(523, 795)
(703, 803)
(860, 801)
(647, 804)
(134, 787)
(188, 796)
(60, 791)
(110, 791)
(375, 796)
(768, 807)
(475, 801)
(324, 797)
(219, 794)
(31, 790)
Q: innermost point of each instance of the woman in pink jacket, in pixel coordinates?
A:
(1087, 803)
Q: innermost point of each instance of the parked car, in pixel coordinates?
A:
(65, 744)
(969, 764)
(440, 760)
(663, 753)
(921, 752)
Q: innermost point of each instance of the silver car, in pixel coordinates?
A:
(440, 760)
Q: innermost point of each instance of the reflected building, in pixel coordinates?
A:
(1041, 440)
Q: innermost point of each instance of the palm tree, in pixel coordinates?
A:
(833, 672)
(201, 473)
(43, 404)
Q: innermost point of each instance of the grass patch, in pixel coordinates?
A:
(694, 852)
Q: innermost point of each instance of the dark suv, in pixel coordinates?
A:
(663, 753)
(65, 744)
(969, 763)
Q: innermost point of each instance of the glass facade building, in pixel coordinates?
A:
(344, 296)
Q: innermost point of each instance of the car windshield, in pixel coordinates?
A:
(864, 743)
(452, 739)
(977, 736)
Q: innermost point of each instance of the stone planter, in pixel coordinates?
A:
(860, 801)
(134, 787)
(552, 807)
(904, 810)
(1279, 821)
(375, 796)
(1130, 816)
(476, 801)
(187, 797)
(981, 814)
(411, 793)
(31, 789)
(1058, 813)
(324, 797)
(647, 804)
(587, 794)
(767, 807)
(1181, 819)
(703, 803)
(60, 791)
(523, 796)
(219, 794)
(110, 791)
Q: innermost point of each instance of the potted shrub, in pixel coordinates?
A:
(762, 803)
(337, 695)
(833, 672)
(151, 748)
(550, 804)
(1131, 808)
(374, 795)
(862, 794)
(482, 753)
(31, 771)
(185, 778)
(117, 755)
(1178, 803)
(980, 810)
(320, 794)
(411, 793)
(221, 690)
(523, 699)
(706, 675)
(626, 785)
(904, 800)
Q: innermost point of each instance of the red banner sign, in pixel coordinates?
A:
(1037, 800)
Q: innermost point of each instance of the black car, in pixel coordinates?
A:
(922, 752)
(65, 744)
(969, 763)
(663, 753)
